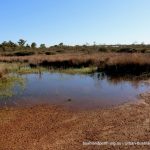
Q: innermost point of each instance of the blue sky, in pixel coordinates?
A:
(75, 21)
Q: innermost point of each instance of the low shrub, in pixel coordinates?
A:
(24, 53)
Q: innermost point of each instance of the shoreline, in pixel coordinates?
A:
(54, 127)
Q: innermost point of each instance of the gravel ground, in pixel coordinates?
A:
(48, 127)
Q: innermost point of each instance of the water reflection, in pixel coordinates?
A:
(11, 86)
(135, 81)
(83, 91)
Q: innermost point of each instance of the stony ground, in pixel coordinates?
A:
(57, 128)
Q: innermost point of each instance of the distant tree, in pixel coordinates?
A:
(87, 44)
(27, 46)
(61, 44)
(84, 45)
(11, 44)
(55, 45)
(94, 43)
(142, 43)
(8, 46)
(4, 43)
(42, 46)
(33, 45)
(21, 42)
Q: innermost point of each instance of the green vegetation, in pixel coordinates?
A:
(21, 48)
(10, 79)
(74, 59)
(86, 70)
(3, 71)
(29, 70)
(7, 85)
(115, 63)
(20, 68)
(22, 58)
(135, 66)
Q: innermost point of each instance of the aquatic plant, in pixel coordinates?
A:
(84, 70)
(7, 85)
(3, 70)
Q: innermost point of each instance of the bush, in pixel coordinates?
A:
(103, 49)
(126, 49)
(23, 53)
(49, 53)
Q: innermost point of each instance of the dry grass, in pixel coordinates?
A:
(81, 60)
(134, 58)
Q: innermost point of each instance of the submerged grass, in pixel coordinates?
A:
(3, 71)
(20, 68)
(8, 80)
(9, 68)
(113, 64)
(23, 68)
(7, 85)
(84, 70)
(29, 70)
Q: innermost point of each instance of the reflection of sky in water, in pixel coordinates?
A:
(85, 90)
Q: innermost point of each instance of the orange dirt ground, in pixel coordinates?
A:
(58, 128)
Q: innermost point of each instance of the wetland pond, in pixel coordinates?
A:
(89, 91)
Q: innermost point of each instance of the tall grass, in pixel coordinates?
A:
(81, 60)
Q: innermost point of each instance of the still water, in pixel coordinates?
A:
(75, 91)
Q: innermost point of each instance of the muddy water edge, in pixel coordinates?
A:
(55, 127)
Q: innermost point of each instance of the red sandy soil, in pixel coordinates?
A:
(58, 128)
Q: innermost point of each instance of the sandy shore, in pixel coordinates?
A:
(56, 128)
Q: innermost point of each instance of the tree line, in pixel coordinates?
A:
(21, 44)
(23, 48)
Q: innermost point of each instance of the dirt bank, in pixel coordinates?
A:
(56, 128)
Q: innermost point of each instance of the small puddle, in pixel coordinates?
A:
(75, 91)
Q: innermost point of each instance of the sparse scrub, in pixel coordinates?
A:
(23, 53)
(103, 49)
(23, 49)
(110, 62)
